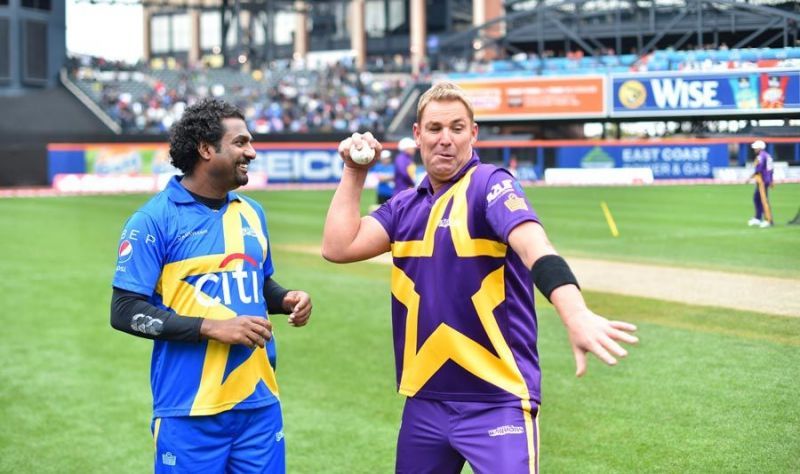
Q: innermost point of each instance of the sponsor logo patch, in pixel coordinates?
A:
(248, 232)
(125, 251)
(192, 233)
(168, 459)
(506, 430)
(515, 203)
(499, 189)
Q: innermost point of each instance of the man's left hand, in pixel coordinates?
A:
(589, 332)
(299, 303)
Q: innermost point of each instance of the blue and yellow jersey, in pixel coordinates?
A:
(462, 300)
(195, 261)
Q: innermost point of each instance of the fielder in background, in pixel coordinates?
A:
(405, 171)
(194, 273)
(384, 170)
(763, 177)
(467, 251)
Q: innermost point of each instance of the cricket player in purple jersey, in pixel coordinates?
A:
(763, 176)
(467, 250)
(405, 171)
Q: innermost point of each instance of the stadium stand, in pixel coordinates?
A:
(522, 65)
(148, 100)
(339, 99)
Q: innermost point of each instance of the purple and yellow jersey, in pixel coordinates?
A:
(195, 261)
(462, 299)
(405, 172)
(764, 166)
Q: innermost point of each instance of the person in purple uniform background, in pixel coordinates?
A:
(467, 251)
(763, 177)
(405, 171)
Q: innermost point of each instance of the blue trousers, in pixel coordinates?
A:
(234, 441)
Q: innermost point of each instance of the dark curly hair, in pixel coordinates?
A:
(200, 123)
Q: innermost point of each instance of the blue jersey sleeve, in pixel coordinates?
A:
(506, 204)
(140, 255)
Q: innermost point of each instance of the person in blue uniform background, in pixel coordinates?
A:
(384, 170)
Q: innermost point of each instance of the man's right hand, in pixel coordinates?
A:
(359, 140)
(251, 331)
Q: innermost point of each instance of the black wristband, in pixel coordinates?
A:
(274, 295)
(551, 272)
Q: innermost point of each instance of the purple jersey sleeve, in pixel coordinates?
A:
(506, 204)
(383, 215)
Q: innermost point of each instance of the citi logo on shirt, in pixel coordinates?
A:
(239, 285)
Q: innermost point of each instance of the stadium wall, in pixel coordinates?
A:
(106, 167)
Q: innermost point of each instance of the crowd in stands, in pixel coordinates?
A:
(284, 98)
(274, 100)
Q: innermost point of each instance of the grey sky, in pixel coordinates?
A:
(110, 31)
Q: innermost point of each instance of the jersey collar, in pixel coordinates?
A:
(179, 195)
(425, 185)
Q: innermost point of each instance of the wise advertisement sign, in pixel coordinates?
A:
(536, 98)
(763, 91)
(666, 161)
(133, 167)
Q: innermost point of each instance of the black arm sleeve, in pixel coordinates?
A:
(131, 313)
(273, 295)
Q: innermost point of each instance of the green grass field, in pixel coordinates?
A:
(707, 390)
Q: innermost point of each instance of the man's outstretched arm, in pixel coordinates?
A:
(588, 332)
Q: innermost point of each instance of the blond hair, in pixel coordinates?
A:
(443, 92)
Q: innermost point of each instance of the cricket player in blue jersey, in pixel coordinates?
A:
(194, 273)
(385, 173)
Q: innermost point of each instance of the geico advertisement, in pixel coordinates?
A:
(763, 91)
(270, 165)
(298, 166)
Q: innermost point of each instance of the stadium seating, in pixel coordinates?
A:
(149, 100)
(339, 99)
(666, 60)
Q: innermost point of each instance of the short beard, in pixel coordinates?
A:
(242, 180)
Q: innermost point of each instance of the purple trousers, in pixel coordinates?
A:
(759, 203)
(439, 436)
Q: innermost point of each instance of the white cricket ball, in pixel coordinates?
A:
(362, 155)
